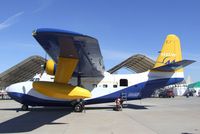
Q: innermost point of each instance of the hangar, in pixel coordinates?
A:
(137, 63)
(23, 71)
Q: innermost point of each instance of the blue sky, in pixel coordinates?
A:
(122, 27)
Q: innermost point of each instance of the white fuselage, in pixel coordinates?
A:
(103, 89)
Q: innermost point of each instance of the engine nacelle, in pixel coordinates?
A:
(50, 67)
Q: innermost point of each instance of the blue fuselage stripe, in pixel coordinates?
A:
(138, 91)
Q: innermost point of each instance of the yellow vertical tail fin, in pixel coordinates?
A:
(170, 52)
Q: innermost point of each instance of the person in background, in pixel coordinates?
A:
(118, 103)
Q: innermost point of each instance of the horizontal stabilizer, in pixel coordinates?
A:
(174, 66)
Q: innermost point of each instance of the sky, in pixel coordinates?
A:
(122, 27)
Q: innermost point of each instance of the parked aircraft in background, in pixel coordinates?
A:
(76, 73)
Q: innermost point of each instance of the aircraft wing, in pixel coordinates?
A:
(71, 45)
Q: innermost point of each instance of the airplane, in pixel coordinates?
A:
(76, 76)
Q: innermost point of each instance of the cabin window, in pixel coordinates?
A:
(114, 86)
(105, 85)
(123, 82)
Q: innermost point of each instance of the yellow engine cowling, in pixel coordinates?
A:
(50, 67)
(61, 91)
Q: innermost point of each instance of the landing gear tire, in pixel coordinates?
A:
(78, 108)
(24, 107)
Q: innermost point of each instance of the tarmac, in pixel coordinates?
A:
(177, 115)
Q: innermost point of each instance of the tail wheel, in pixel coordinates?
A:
(24, 107)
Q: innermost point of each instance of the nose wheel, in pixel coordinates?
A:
(24, 107)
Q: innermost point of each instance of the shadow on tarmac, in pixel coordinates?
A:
(33, 119)
(138, 107)
(129, 106)
(37, 117)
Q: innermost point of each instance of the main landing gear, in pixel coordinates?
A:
(24, 107)
(79, 106)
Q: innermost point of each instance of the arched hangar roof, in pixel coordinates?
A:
(137, 63)
(23, 71)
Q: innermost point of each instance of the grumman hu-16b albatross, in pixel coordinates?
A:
(80, 78)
